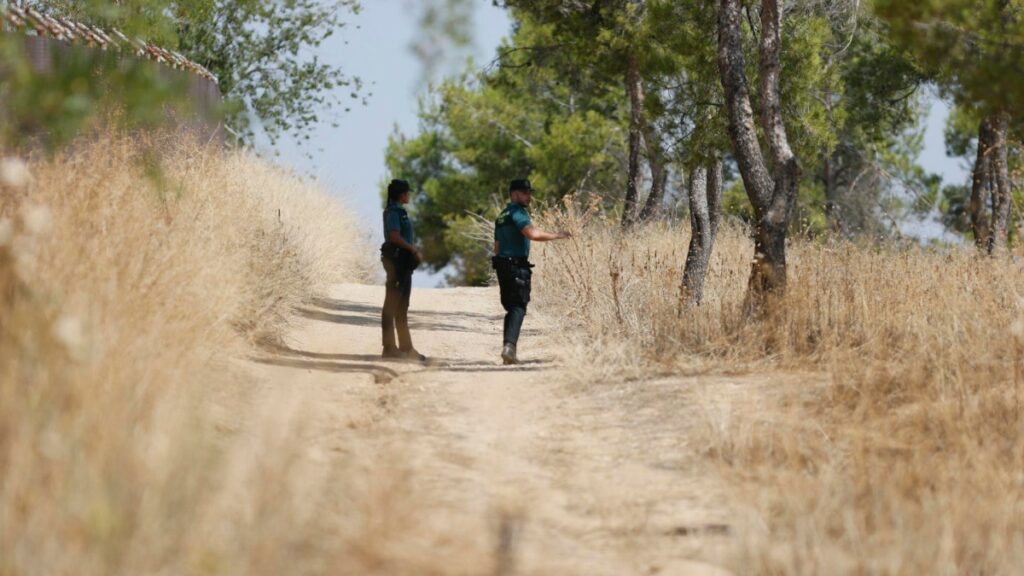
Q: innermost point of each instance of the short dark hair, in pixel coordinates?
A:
(396, 188)
(521, 184)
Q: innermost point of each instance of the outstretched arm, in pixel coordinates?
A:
(542, 236)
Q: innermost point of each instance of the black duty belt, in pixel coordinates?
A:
(510, 260)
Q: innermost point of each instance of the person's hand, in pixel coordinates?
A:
(564, 234)
(418, 256)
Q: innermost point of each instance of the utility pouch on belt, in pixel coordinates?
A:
(514, 274)
(523, 276)
(401, 258)
(506, 262)
(389, 251)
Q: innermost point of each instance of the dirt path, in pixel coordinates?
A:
(472, 467)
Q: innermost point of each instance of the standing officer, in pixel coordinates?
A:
(400, 257)
(513, 232)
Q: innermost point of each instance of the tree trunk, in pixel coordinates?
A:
(990, 185)
(715, 198)
(659, 180)
(1001, 194)
(773, 195)
(700, 238)
(833, 217)
(635, 89)
(981, 179)
(705, 212)
(768, 272)
(656, 159)
(786, 170)
(742, 132)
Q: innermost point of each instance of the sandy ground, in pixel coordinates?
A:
(470, 467)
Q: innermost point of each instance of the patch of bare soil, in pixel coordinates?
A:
(465, 466)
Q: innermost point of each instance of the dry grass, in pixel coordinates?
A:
(127, 287)
(889, 442)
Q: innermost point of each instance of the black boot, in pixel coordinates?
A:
(508, 354)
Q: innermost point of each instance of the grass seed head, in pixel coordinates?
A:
(14, 173)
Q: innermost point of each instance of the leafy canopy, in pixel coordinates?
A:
(258, 50)
(533, 114)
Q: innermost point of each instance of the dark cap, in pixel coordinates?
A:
(397, 187)
(520, 184)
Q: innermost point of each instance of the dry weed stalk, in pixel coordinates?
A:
(128, 287)
(898, 451)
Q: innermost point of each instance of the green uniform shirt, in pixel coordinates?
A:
(508, 232)
(396, 218)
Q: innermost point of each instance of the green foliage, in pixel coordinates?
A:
(537, 116)
(961, 132)
(863, 129)
(472, 260)
(684, 93)
(851, 79)
(153, 20)
(967, 46)
(736, 203)
(258, 50)
(445, 30)
(808, 215)
(905, 188)
(961, 136)
(880, 86)
(954, 208)
(554, 108)
(50, 109)
(805, 81)
(599, 36)
(848, 96)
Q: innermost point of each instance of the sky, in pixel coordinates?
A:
(934, 160)
(375, 46)
(349, 159)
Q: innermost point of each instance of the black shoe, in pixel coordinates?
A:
(508, 354)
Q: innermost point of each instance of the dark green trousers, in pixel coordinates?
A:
(514, 280)
(395, 314)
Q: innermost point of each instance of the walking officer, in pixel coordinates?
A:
(513, 232)
(400, 258)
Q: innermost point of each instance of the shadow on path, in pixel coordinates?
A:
(286, 351)
(368, 320)
(350, 313)
(471, 366)
(494, 368)
(338, 311)
(381, 375)
(360, 308)
(283, 350)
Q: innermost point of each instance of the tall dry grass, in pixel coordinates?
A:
(132, 276)
(889, 438)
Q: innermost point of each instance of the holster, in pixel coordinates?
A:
(402, 259)
(514, 274)
(499, 262)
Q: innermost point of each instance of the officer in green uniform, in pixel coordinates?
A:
(513, 232)
(400, 258)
